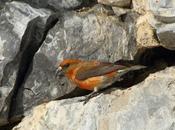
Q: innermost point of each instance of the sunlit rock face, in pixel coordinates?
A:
(148, 105)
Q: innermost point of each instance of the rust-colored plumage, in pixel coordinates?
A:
(94, 75)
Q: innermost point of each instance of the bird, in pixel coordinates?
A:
(93, 75)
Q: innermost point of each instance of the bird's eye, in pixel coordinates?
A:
(66, 66)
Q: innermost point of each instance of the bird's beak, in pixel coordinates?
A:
(59, 71)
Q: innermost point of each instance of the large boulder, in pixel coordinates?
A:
(85, 35)
(14, 18)
(148, 105)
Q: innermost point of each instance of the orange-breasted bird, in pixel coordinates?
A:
(94, 75)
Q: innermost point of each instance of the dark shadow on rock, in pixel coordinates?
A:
(155, 59)
(2, 3)
(86, 3)
(155, 56)
(75, 93)
(32, 39)
(9, 126)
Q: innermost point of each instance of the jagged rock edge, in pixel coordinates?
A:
(27, 51)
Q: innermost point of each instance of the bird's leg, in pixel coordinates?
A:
(91, 95)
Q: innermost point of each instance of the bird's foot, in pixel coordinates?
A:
(89, 96)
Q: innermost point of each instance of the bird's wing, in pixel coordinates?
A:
(97, 70)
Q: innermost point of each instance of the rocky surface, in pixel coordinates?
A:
(14, 18)
(72, 37)
(159, 14)
(139, 6)
(106, 30)
(65, 4)
(148, 105)
(164, 14)
(163, 10)
(146, 36)
(58, 4)
(166, 34)
(118, 3)
(120, 11)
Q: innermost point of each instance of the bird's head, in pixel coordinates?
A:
(66, 63)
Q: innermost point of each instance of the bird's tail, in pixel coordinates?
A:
(132, 68)
(122, 72)
(136, 67)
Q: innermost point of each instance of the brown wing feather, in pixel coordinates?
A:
(97, 70)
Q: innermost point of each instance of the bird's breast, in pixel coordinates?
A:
(89, 83)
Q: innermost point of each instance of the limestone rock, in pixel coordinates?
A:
(56, 4)
(83, 35)
(65, 4)
(119, 3)
(146, 36)
(157, 21)
(163, 10)
(140, 6)
(14, 18)
(148, 105)
(163, 21)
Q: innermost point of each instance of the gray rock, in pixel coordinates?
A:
(65, 4)
(57, 4)
(84, 35)
(13, 21)
(148, 105)
(120, 11)
(163, 21)
(166, 35)
(119, 3)
(32, 39)
(160, 14)
(36, 3)
(163, 10)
